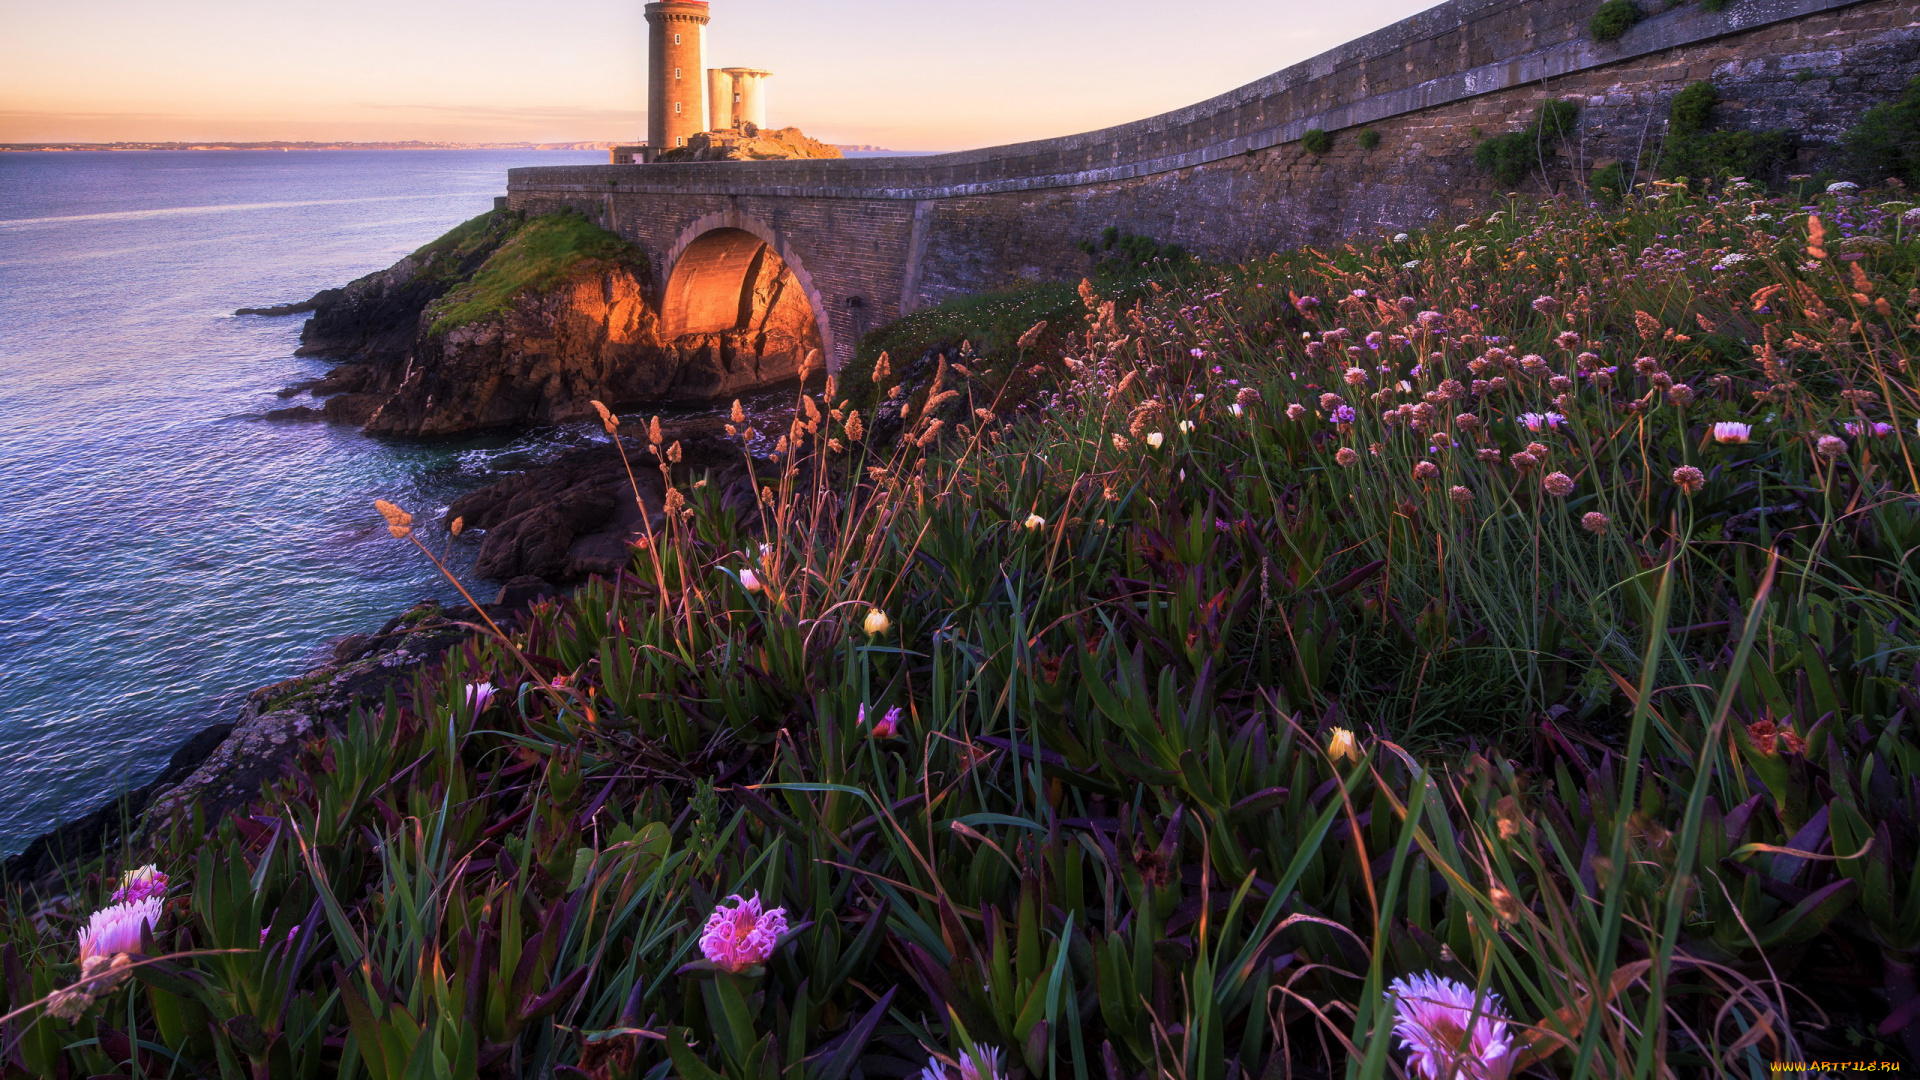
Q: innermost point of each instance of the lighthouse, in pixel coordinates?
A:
(677, 81)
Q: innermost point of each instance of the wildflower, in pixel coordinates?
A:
(742, 936)
(1595, 522)
(292, 932)
(876, 623)
(1559, 485)
(980, 1063)
(1237, 409)
(884, 728)
(1346, 456)
(1538, 422)
(1247, 396)
(1449, 1031)
(1120, 442)
(612, 422)
(1461, 495)
(1523, 461)
(1411, 264)
(1831, 446)
(137, 885)
(1689, 479)
(1466, 421)
(1343, 414)
(1680, 395)
(1426, 470)
(117, 929)
(1341, 744)
(1155, 439)
(1842, 187)
(1490, 455)
(1185, 426)
(1401, 238)
(1355, 376)
(1546, 305)
(1296, 411)
(1568, 339)
(1731, 432)
(479, 696)
(1771, 738)
(750, 581)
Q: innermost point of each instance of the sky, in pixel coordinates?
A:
(902, 74)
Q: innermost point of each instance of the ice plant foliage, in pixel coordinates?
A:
(1449, 1032)
(742, 936)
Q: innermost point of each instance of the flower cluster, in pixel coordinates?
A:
(742, 936)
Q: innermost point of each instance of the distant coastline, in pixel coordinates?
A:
(130, 146)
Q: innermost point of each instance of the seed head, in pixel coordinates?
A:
(1689, 479)
(607, 419)
(856, 430)
(1027, 339)
(653, 433)
(399, 522)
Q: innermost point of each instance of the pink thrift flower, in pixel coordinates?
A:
(1448, 1032)
(136, 885)
(742, 936)
(981, 1063)
(1730, 432)
(116, 929)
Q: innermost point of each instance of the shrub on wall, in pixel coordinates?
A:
(1512, 157)
(1609, 183)
(1316, 141)
(1613, 19)
(1693, 148)
(1886, 141)
(1713, 5)
(1369, 139)
(1123, 251)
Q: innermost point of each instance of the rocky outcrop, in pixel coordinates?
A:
(749, 143)
(509, 321)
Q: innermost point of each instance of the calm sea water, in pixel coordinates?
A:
(162, 551)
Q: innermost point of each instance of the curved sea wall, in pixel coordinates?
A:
(1230, 179)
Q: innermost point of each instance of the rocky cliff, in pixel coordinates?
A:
(749, 143)
(510, 320)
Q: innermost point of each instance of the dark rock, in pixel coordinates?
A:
(524, 592)
(295, 412)
(300, 308)
(353, 408)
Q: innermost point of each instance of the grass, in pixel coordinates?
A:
(1239, 675)
(533, 255)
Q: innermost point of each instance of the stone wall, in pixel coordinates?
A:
(1227, 178)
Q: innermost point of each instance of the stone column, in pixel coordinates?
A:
(719, 100)
(751, 83)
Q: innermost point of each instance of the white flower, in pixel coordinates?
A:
(1154, 439)
(1755, 219)
(1035, 521)
(1236, 409)
(1186, 426)
(116, 929)
(876, 623)
(1841, 187)
(1412, 265)
(750, 581)
(1401, 238)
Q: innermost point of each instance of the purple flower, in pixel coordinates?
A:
(1344, 414)
(141, 884)
(479, 696)
(1449, 1032)
(742, 936)
(980, 1063)
(1538, 422)
(117, 929)
(884, 728)
(1732, 432)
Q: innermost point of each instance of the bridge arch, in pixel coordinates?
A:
(710, 274)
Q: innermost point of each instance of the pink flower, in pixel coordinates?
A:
(1831, 446)
(1559, 485)
(742, 936)
(137, 885)
(479, 696)
(1689, 479)
(1538, 422)
(887, 726)
(1730, 432)
(1346, 456)
(1595, 522)
(1426, 470)
(980, 1063)
(116, 929)
(1449, 1032)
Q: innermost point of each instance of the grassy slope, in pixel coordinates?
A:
(1115, 823)
(534, 255)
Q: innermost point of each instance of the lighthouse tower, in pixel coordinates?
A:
(677, 81)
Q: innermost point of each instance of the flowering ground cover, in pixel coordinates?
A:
(1479, 654)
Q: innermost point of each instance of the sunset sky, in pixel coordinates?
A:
(903, 74)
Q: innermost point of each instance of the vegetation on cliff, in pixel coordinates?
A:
(1112, 719)
(533, 254)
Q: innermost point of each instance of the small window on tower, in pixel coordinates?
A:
(676, 39)
(683, 140)
(736, 99)
(676, 108)
(676, 74)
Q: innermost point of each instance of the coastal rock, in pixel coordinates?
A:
(509, 321)
(750, 143)
(257, 751)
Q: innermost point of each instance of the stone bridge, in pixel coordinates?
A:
(871, 239)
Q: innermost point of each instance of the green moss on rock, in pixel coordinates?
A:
(535, 255)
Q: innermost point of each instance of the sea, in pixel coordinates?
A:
(163, 549)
